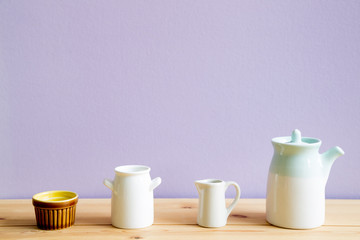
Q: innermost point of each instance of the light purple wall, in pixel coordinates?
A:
(194, 89)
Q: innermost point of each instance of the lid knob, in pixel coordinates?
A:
(296, 136)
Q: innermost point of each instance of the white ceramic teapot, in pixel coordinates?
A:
(132, 201)
(296, 182)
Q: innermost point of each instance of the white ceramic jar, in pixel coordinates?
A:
(132, 202)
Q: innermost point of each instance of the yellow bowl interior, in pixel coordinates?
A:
(55, 196)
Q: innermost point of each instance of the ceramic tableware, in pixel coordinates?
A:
(212, 208)
(55, 209)
(296, 182)
(132, 201)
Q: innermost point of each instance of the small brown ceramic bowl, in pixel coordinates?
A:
(55, 209)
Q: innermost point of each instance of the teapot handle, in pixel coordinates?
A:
(237, 197)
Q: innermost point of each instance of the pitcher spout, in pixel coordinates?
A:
(198, 186)
(328, 159)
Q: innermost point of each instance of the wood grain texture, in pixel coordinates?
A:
(176, 219)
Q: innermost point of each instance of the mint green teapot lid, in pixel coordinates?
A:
(297, 140)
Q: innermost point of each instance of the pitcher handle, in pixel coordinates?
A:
(237, 197)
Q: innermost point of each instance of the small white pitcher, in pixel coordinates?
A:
(212, 207)
(132, 201)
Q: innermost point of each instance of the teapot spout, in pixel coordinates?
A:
(328, 159)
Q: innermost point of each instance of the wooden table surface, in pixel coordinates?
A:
(176, 219)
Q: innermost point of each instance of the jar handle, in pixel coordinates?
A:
(108, 183)
(154, 183)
